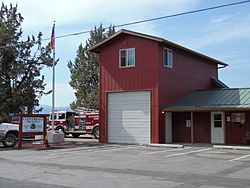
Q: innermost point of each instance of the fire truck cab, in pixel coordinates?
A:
(75, 123)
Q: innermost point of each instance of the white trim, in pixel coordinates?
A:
(217, 133)
(127, 66)
(172, 63)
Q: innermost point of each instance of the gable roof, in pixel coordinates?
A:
(96, 48)
(214, 99)
(218, 83)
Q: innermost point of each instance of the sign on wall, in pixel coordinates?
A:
(238, 118)
(33, 124)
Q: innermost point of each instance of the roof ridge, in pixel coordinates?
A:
(162, 40)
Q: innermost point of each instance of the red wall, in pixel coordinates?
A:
(167, 85)
(236, 133)
(201, 123)
(202, 127)
(141, 77)
(181, 133)
(189, 73)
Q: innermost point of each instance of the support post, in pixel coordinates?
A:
(192, 128)
(53, 75)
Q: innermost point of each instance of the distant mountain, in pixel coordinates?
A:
(47, 108)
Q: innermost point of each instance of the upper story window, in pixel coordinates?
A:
(127, 57)
(168, 57)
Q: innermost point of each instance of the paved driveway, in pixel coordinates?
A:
(127, 166)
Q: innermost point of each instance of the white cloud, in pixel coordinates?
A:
(39, 14)
(224, 29)
(223, 18)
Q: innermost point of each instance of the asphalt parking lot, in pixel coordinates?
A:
(113, 165)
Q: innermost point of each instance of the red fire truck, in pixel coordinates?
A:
(76, 123)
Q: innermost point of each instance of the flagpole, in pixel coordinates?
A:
(53, 76)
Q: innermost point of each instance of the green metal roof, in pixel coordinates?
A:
(224, 98)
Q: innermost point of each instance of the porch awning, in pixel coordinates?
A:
(213, 99)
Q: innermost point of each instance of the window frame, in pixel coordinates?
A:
(218, 121)
(168, 50)
(127, 58)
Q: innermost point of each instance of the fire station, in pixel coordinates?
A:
(155, 91)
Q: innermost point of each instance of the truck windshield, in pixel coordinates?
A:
(61, 116)
(50, 117)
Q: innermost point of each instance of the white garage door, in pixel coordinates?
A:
(129, 117)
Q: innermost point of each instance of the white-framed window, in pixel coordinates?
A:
(127, 57)
(217, 120)
(168, 58)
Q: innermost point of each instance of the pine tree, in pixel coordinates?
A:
(21, 83)
(85, 70)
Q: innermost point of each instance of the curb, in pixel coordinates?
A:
(166, 145)
(231, 147)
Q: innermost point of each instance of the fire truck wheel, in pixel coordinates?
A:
(61, 129)
(75, 135)
(96, 133)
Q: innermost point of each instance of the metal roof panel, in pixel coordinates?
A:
(222, 98)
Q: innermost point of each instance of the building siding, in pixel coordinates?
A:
(181, 133)
(202, 127)
(189, 73)
(141, 77)
(166, 85)
(236, 133)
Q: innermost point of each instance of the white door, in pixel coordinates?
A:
(129, 117)
(217, 127)
(168, 127)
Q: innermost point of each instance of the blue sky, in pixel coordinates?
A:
(223, 34)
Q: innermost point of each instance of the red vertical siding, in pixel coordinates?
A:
(181, 133)
(236, 133)
(141, 77)
(167, 85)
(189, 73)
(202, 127)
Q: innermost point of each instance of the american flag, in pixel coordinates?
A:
(52, 38)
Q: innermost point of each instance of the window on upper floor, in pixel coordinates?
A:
(127, 57)
(168, 58)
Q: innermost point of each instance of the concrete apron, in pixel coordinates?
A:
(231, 147)
(182, 145)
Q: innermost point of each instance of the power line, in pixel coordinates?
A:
(183, 13)
(157, 18)
(151, 19)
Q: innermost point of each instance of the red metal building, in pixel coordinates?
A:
(139, 75)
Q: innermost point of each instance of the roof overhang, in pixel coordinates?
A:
(222, 99)
(208, 109)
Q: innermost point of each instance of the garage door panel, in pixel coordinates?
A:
(129, 117)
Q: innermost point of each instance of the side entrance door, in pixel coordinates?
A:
(217, 127)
